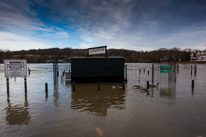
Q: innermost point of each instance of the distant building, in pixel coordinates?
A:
(198, 56)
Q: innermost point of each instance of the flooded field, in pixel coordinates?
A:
(167, 110)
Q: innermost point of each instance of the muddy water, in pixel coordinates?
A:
(108, 112)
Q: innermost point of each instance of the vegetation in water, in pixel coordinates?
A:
(165, 92)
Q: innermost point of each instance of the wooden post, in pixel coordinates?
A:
(126, 72)
(152, 74)
(192, 84)
(7, 83)
(25, 85)
(195, 69)
(46, 87)
(147, 84)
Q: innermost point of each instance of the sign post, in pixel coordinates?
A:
(15, 68)
(25, 85)
(7, 84)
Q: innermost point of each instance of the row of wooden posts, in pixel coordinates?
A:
(98, 86)
(73, 85)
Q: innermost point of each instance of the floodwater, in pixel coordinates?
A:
(110, 112)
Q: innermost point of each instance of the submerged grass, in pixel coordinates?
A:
(165, 92)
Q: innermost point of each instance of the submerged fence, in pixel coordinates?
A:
(139, 73)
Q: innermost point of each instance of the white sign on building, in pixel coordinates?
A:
(97, 50)
(15, 67)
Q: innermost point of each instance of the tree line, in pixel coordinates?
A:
(45, 55)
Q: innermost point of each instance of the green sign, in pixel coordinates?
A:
(165, 69)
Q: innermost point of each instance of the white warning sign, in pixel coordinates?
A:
(98, 50)
(15, 68)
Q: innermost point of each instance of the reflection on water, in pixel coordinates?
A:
(87, 98)
(17, 114)
(168, 91)
(56, 96)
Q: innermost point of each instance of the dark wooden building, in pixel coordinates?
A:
(94, 69)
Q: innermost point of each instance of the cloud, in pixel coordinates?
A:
(16, 42)
(17, 16)
(60, 34)
(132, 24)
(129, 24)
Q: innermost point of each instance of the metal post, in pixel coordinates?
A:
(7, 83)
(98, 86)
(106, 51)
(25, 84)
(147, 84)
(46, 87)
(152, 74)
(177, 68)
(126, 72)
(73, 85)
(124, 85)
(139, 76)
(148, 72)
(55, 70)
(192, 83)
(195, 69)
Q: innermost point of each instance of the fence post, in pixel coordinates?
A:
(147, 84)
(126, 72)
(46, 87)
(192, 84)
(152, 74)
(25, 85)
(7, 83)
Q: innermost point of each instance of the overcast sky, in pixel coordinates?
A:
(129, 24)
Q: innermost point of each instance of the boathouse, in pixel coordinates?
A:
(94, 69)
